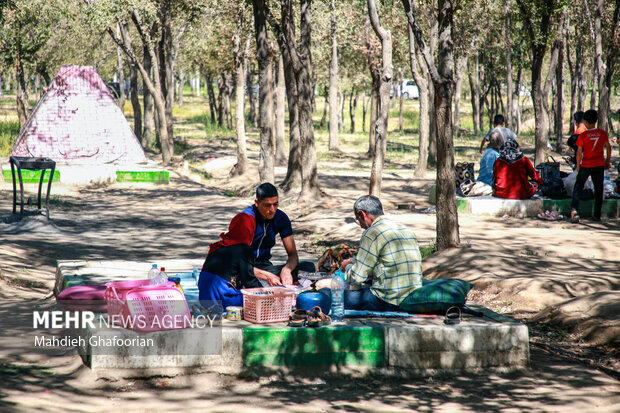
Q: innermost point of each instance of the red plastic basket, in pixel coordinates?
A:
(267, 305)
(139, 306)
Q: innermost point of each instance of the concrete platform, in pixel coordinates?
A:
(394, 346)
(489, 205)
(88, 174)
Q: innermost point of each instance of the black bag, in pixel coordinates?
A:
(553, 186)
(464, 177)
(572, 142)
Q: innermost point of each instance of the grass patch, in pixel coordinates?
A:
(8, 134)
(428, 250)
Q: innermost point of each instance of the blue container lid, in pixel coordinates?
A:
(308, 299)
(174, 279)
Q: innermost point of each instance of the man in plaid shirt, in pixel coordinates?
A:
(388, 259)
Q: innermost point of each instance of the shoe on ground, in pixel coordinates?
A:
(574, 219)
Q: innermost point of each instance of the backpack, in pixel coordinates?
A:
(464, 177)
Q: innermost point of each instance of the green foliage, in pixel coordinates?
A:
(8, 133)
(428, 250)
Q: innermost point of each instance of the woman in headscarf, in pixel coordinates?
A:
(511, 172)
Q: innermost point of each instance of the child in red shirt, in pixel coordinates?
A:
(593, 157)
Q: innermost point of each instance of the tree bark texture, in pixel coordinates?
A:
(22, 95)
(400, 99)
(148, 116)
(153, 86)
(280, 95)
(266, 158)
(381, 123)
(461, 64)
(133, 82)
(334, 144)
(353, 109)
(442, 75)
(211, 95)
(509, 91)
(121, 71)
(238, 58)
(417, 63)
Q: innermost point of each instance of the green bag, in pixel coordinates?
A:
(436, 296)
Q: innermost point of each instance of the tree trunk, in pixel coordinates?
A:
(121, 71)
(433, 132)
(180, 85)
(310, 189)
(364, 109)
(442, 75)
(559, 86)
(221, 93)
(461, 64)
(353, 109)
(509, 92)
(133, 81)
(229, 97)
(211, 95)
(325, 106)
(474, 83)
(334, 144)
(381, 124)
(266, 158)
(238, 58)
(340, 110)
(579, 67)
(605, 88)
(400, 100)
(251, 98)
(374, 110)
(22, 94)
(148, 138)
(573, 81)
(416, 61)
(280, 93)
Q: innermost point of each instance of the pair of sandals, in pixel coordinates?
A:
(315, 317)
(550, 216)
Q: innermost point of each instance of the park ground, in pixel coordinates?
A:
(559, 278)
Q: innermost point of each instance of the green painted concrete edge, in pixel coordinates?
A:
(158, 177)
(610, 208)
(30, 177)
(462, 205)
(323, 346)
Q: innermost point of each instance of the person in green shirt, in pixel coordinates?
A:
(388, 260)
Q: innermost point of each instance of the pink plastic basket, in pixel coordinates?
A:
(139, 306)
(267, 305)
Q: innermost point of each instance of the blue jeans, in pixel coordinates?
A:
(365, 300)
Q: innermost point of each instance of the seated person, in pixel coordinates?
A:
(498, 125)
(572, 141)
(511, 172)
(483, 185)
(389, 258)
(241, 258)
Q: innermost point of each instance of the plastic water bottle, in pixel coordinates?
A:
(153, 272)
(337, 312)
(161, 278)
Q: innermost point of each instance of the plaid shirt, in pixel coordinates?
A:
(389, 256)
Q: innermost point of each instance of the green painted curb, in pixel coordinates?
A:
(324, 346)
(30, 177)
(586, 208)
(157, 177)
(462, 205)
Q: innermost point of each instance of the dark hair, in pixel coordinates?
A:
(496, 139)
(266, 190)
(591, 116)
(578, 117)
(498, 119)
(368, 203)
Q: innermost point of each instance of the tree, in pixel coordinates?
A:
(441, 71)
(238, 56)
(381, 123)
(297, 58)
(539, 19)
(333, 83)
(266, 159)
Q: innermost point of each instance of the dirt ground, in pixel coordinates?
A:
(561, 279)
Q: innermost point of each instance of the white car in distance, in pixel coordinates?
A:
(408, 88)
